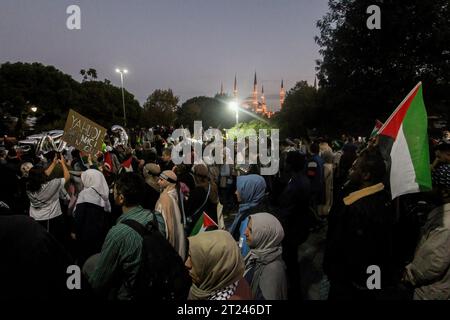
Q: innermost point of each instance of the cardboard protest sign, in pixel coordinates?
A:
(82, 133)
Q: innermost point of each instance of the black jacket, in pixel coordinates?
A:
(33, 264)
(91, 224)
(294, 212)
(360, 235)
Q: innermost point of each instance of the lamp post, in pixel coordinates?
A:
(235, 106)
(122, 72)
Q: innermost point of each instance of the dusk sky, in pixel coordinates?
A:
(190, 46)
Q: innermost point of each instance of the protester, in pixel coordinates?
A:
(34, 265)
(44, 198)
(361, 234)
(204, 198)
(167, 205)
(151, 172)
(294, 215)
(11, 185)
(265, 270)
(91, 214)
(315, 172)
(324, 209)
(250, 193)
(77, 162)
(216, 268)
(112, 273)
(429, 272)
(166, 160)
(442, 153)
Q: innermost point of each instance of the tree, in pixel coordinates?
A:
(102, 103)
(301, 111)
(89, 75)
(243, 129)
(160, 108)
(23, 85)
(366, 73)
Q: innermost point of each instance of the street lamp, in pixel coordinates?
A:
(34, 109)
(122, 72)
(233, 105)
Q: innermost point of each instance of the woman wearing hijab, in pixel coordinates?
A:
(250, 192)
(216, 268)
(265, 270)
(91, 211)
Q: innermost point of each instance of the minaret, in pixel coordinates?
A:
(282, 95)
(255, 94)
(221, 89)
(263, 101)
(235, 91)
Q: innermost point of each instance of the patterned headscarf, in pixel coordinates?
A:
(216, 263)
(441, 176)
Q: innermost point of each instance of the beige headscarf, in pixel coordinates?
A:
(216, 262)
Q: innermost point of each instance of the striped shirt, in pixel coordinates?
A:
(121, 255)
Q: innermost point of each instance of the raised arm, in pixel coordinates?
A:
(50, 168)
(66, 173)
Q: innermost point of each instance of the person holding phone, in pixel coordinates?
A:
(44, 197)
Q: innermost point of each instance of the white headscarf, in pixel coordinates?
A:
(96, 190)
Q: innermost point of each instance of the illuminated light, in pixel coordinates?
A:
(233, 105)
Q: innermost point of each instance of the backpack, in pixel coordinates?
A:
(162, 274)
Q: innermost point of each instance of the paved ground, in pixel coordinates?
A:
(314, 284)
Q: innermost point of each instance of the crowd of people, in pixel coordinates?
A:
(70, 208)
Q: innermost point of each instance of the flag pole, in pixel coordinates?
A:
(401, 104)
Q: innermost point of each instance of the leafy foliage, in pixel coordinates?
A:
(366, 73)
(23, 85)
(160, 108)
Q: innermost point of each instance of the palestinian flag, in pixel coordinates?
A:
(127, 165)
(376, 128)
(203, 223)
(403, 140)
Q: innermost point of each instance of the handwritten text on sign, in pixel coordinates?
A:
(83, 133)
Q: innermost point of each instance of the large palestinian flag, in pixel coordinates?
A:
(403, 140)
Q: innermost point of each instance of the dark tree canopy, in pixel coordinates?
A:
(366, 73)
(302, 103)
(23, 85)
(160, 108)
